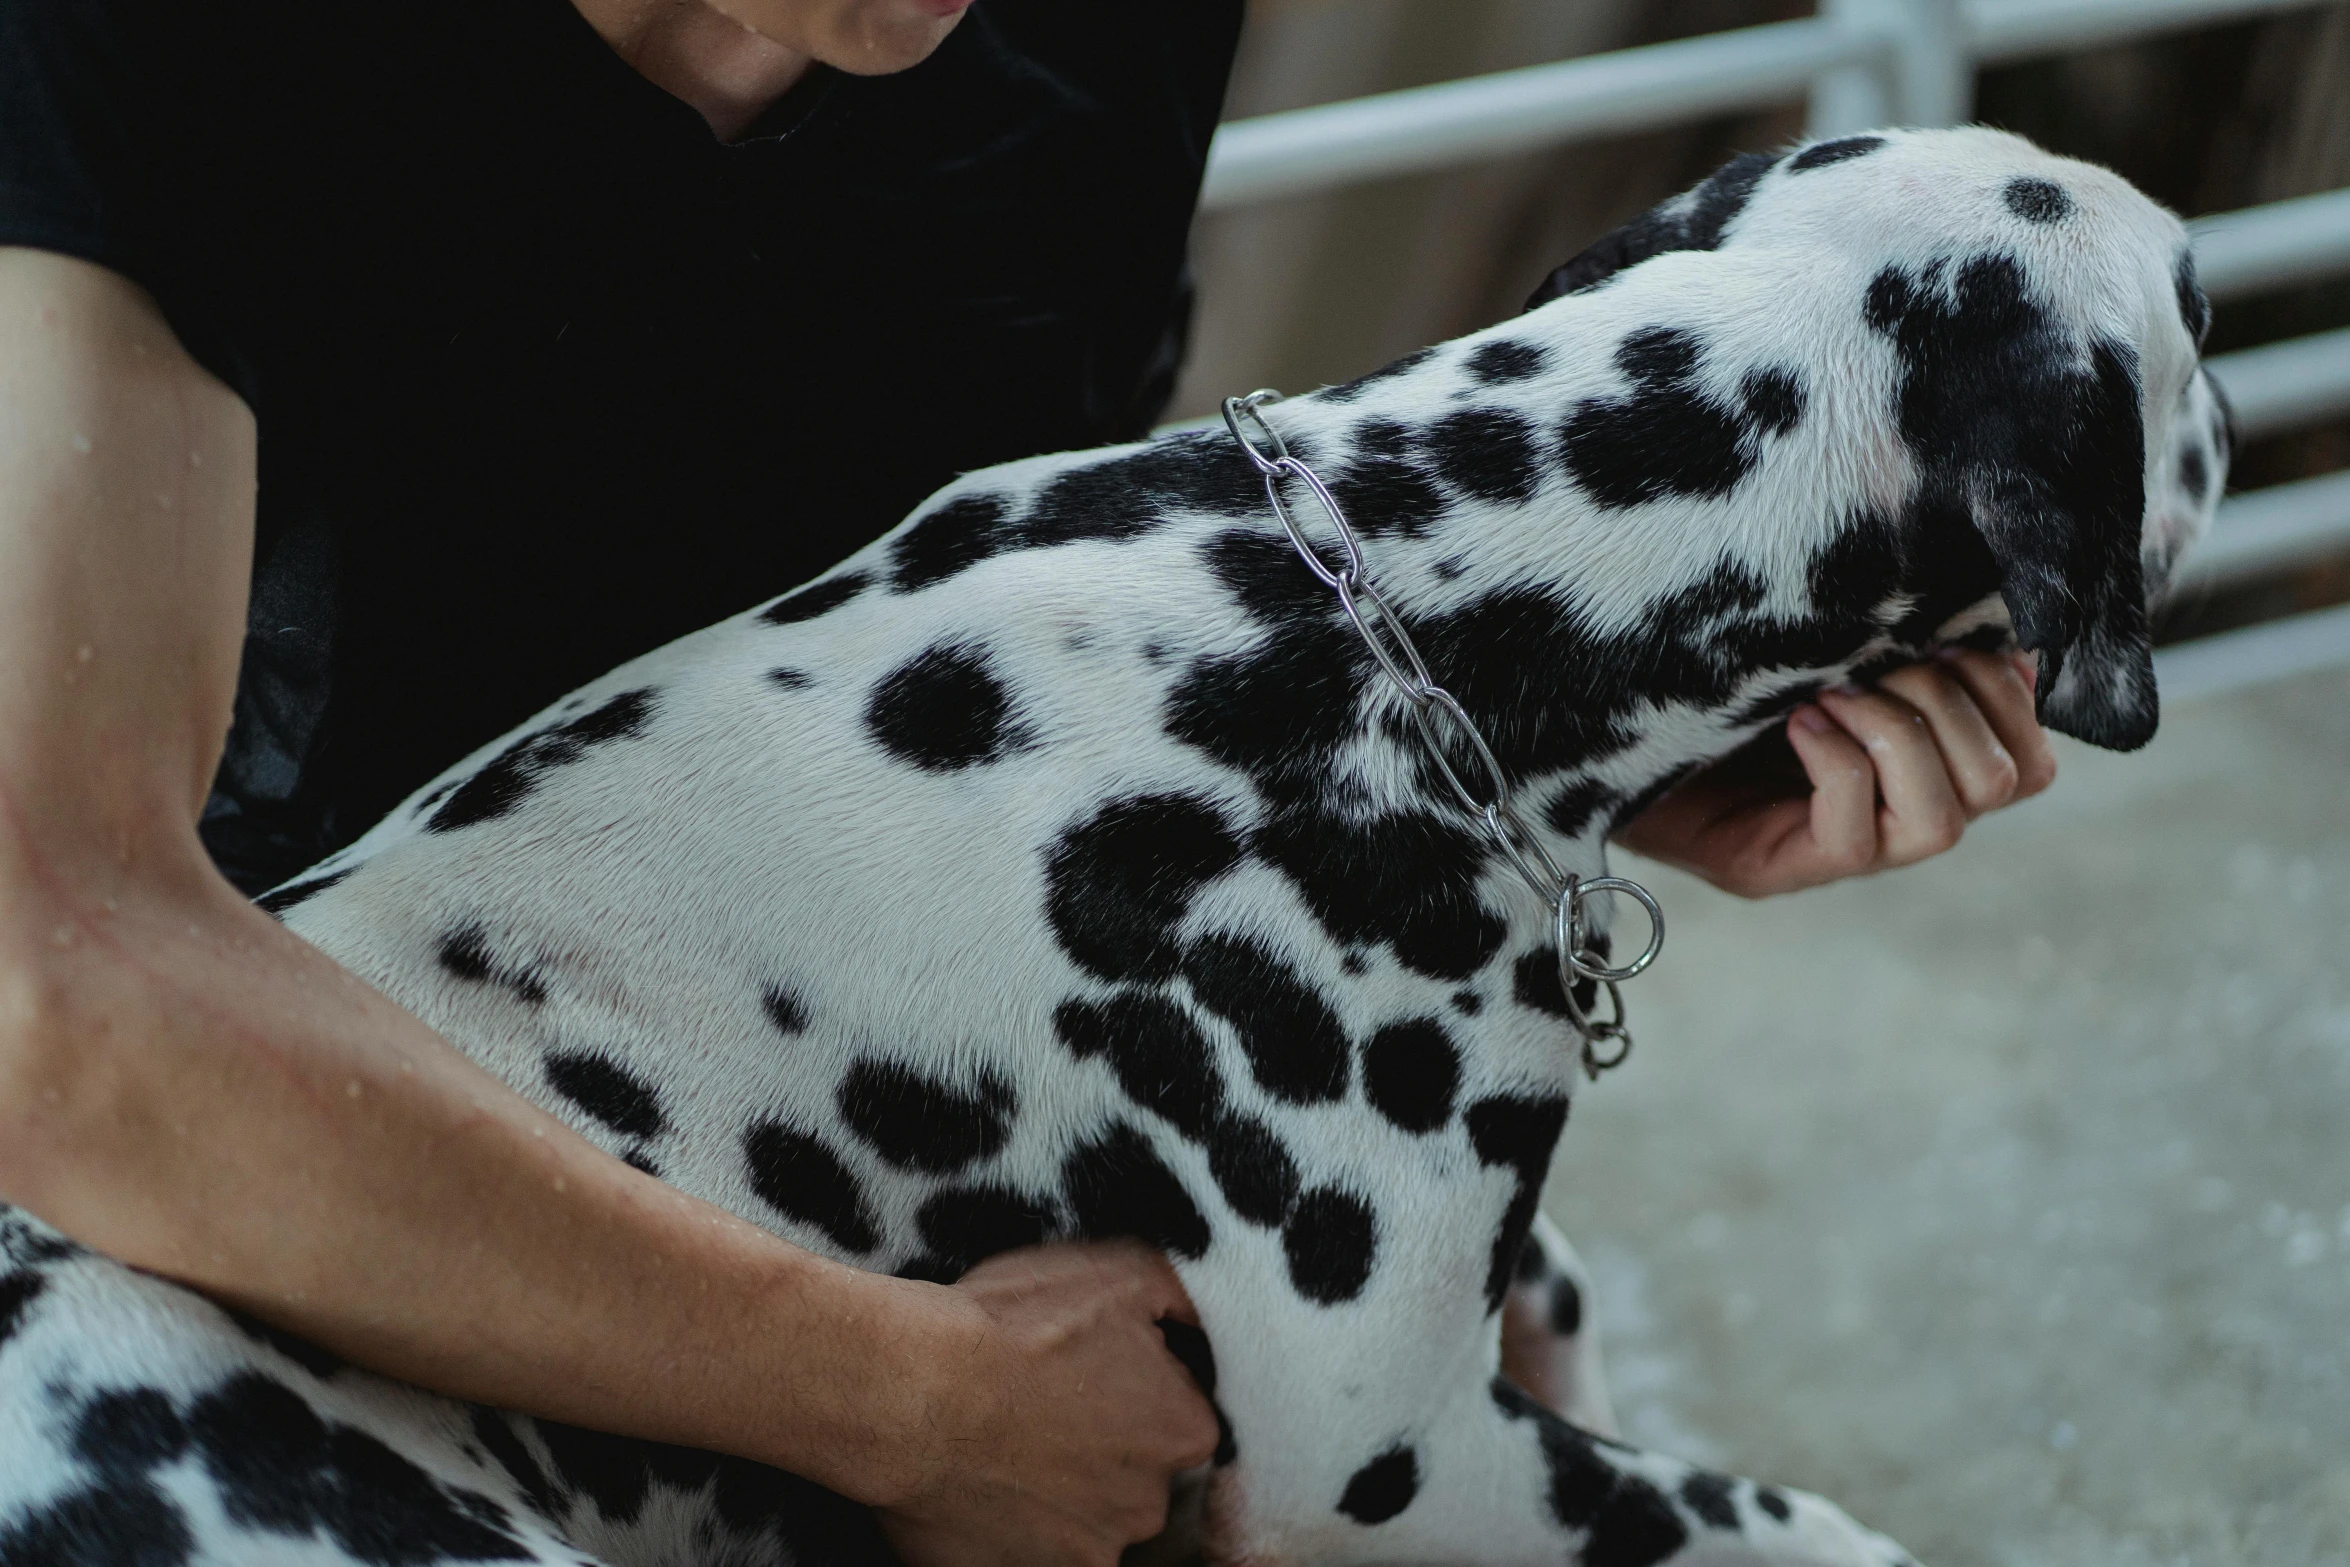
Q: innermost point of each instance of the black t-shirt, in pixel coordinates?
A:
(546, 375)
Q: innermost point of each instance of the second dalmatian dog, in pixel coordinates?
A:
(1061, 865)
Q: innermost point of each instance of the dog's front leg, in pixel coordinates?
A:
(1549, 1342)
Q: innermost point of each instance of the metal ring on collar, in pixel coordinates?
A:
(1237, 407)
(1571, 913)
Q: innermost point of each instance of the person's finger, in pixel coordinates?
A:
(1158, 1289)
(1922, 815)
(1980, 768)
(2002, 686)
(1842, 813)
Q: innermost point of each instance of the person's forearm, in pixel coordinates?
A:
(192, 1089)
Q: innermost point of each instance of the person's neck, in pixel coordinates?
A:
(727, 72)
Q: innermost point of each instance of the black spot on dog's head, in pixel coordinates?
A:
(957, 536)
(1411, 1074)
(1499, 363)
(1383, 1487)
(1693, 220)
(1119, 883)
(1486, 452)
(607, 1091)
(2037, 201)
(1163, 1061)
(1253, 1170)
(2031, 443)
(510, 777)
(298, 892)
(965, 1225)
(944, 710)
(817, 598)
(1774, 399)
(918, 1122)
(1295, 1046)
(800, 1178)
(1844, 148)
(1331, 1240)
(19, 1288)
(1117, 1186)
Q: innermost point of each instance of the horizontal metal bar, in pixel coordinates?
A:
(2233, 660)
(1512, 111)
(2267, 530)
(2299, 381)
(2000, 30)
(2285, 242)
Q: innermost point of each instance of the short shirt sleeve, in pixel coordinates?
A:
(80, 169)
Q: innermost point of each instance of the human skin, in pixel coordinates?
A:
(188, 1087)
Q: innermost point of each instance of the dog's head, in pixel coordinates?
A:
(2042, 324)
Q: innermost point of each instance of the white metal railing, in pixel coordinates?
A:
(1861, 63)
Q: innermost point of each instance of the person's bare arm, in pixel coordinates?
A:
(189, 1087)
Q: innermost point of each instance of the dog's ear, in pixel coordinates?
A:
(1693, 220)
(2034, 434)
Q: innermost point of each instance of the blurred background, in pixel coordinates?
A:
(2006, 1199)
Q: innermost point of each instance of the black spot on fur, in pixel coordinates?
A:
(18, 1290)
(2194, 472)
(817, 598)
(511, 776)
(801, 1179)
(790, 679)
(1694, 220)
(1667, 437)
(1348, 391)
(1331, 1239)
(1486, 452)
(642, 1162)
(784, 1009)
(123, 1521)
(2194, 307)
(1467, 1002)
(924, 1123)
(2037, 201)
(1383, 437)
(1380, 496)
(1411, 1073)
(1627, 1521)
(129, 1431)
(945, 710)
(292, 893)
(1383, 1487)
(966, 1225)
(465, 953)
(608, 1091)
(1820, 155)
(1774, 399)
(1566, 1308)
(1163, 1061)
(958, 535)
(2027, 453)
(1708, 1495)
(1296, 1049)
(318, 1362)
(1117, 1185)
(1253, 1170)
(1774, 1502)
(493, 1429)
(1127, 496)
(1571, 809)
(1518, 1134)
(281, 1469)
(1498, 363)
(1408, 879)
(1119, 883)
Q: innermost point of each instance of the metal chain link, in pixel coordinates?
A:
(1455, 744)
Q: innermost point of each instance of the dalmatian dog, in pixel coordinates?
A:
(1060, 865)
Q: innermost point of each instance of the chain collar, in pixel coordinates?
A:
(1455, 745)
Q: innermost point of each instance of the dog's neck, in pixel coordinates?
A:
(1603, 652)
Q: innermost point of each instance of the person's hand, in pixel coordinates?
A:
(1875, 778)
(1066, 1419)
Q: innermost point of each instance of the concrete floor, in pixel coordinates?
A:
(2007, 1199)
